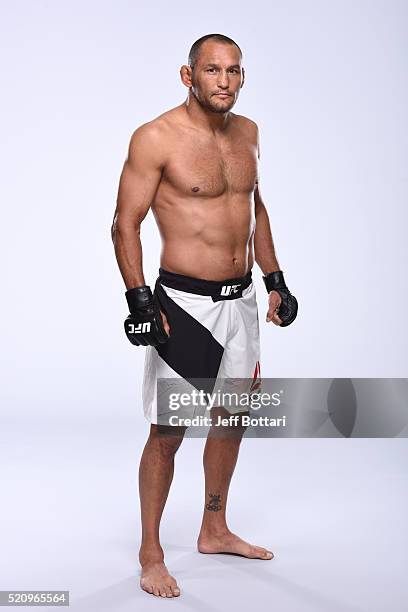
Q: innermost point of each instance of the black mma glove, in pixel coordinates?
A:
(144, 325)
(289, 306)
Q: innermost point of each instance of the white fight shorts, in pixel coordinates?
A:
(214, 334)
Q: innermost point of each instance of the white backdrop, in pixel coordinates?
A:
(327, 84)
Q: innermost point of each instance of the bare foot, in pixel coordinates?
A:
(155, 579)
(232, 544)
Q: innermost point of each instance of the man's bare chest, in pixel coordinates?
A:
(202, 168)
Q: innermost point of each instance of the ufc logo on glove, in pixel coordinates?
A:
(141, 328)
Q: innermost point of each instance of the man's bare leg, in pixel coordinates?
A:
(220, 457)
(155, 477)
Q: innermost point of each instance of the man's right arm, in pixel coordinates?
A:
(138, 184)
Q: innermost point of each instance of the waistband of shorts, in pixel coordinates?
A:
(201, 286)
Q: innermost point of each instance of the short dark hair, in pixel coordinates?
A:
(195, 49)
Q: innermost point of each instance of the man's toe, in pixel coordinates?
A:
(146, 587)
(266, 554)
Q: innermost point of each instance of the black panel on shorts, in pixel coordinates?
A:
(192, 351)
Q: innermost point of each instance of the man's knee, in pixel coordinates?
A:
(231, 425)
(167, 438)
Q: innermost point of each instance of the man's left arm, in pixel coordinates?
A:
(280, 299)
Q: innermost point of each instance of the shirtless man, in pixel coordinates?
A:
(196, 167)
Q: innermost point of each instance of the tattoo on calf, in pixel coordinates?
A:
(214, 503)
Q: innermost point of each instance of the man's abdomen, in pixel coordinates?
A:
(209, 238)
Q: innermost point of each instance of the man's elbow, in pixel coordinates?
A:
(113, 229)
(123, 226)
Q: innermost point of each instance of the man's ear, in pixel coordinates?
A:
(186, 73)
(243, 77)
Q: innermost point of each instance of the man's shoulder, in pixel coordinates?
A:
(158, 128)
(247, 128)
(154, 137)
(245, 122)
(151, 132)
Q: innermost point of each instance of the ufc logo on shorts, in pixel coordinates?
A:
(228, 289)
(141, 328)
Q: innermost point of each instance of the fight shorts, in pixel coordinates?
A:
(214, 335)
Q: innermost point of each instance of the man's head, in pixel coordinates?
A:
(214, 73)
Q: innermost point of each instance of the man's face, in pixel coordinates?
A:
(217, 76)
